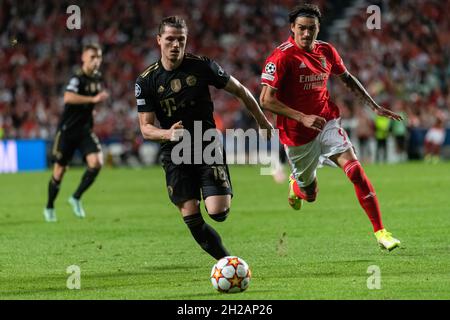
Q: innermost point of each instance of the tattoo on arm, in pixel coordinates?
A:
(355, 86)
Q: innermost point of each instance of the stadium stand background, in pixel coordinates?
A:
(405, 65)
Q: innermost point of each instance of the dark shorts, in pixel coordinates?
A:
(65, 145)
(194, 181)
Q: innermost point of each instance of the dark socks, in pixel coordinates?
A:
(88, 178)
(53, 189)
(206, 236)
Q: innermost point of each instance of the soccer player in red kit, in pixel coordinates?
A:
(294, 82)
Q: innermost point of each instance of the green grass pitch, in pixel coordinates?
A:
(134, 244)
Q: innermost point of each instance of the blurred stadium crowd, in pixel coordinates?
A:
(405, 65)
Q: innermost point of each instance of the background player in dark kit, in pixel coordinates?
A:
(75, 130)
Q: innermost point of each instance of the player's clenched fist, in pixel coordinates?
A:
(100, 97)
(312, 121)
(176, 131)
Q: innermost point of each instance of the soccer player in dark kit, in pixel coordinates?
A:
(75, 130)
(294, 82)
(174, 91)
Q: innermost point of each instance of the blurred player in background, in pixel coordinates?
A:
(382, 130)
(295, 88)
(434, 139)
(85, 89)
(400, 130)
(174, 91)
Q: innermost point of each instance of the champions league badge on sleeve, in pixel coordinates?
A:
(271, 68)
(137, 90)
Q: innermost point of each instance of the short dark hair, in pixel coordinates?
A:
(172, 21)
(305, 10)
(92, 46)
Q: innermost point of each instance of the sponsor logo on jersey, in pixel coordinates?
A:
(302, 65)
(270, 68)
(191, 81)
(140, 102)
(313, 77)
(137, 90)
(175, 85)
(313, 81)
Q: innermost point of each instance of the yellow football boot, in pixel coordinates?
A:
(386, 240)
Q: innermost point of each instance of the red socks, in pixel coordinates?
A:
(365, 192)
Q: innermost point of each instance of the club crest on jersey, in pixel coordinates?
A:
(161, 89)
(323, 61)
(175, 85)
(191, 81)
(93, 87)
(137, 90)
(270, 68)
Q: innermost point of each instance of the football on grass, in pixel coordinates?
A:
(230, 274)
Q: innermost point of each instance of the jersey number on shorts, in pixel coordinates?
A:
(220, 173)
(342, 133)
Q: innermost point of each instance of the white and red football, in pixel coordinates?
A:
(230, 274)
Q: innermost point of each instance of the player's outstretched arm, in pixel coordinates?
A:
(151, 132)
(355, 86)
(270, 102)
(75, 98)
(240, 91)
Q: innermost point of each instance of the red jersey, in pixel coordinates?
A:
(300, 78)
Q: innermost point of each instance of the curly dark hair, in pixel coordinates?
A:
(305, 10)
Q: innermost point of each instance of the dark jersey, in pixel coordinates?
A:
(181, 94)
(78, 117)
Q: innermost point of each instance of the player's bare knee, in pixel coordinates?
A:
(189, 207)
(58, 172)
(94, 160)
(95, 167)
(98, 163)
(95, 164)
(219, 216)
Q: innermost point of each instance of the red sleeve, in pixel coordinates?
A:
(273, 70)
(338, 65)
